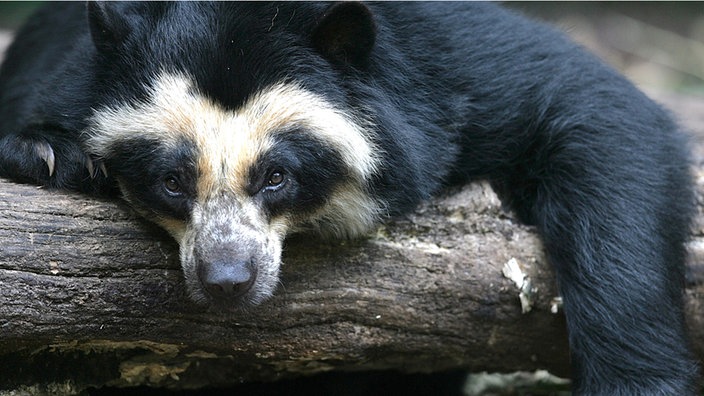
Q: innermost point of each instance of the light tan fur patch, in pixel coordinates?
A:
(230, 141)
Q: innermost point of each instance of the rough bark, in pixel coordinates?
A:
(86, 284)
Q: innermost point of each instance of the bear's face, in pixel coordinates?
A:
(230, 184)
(214, 126)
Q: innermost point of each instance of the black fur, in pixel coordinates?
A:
(456, 92)
(145, 165)
(307, 187)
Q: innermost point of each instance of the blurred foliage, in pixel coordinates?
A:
(13, 13)
(658, 45)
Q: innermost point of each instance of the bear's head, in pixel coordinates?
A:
(227, 124)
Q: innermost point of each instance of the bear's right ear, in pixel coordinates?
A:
(108, 26)
(346, 33)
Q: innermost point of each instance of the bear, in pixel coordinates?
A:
(233, 125)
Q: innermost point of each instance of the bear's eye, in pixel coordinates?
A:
(172, 185)
(275, 181)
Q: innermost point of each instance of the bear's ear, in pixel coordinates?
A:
(108, 27)
(346, 33)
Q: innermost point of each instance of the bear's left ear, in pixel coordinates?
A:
(107, 27)
(346, 33)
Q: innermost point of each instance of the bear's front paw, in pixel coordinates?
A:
(49, 161)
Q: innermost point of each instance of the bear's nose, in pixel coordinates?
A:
(226, 280)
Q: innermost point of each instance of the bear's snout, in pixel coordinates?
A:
(226, 278)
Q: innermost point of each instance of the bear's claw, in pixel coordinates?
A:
(45, 152)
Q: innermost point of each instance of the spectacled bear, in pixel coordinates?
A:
(234, 124)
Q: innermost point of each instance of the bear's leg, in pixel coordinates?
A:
(614, 219)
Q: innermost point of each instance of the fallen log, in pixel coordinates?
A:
(86, 281)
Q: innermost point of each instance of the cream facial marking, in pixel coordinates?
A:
(230, 141)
